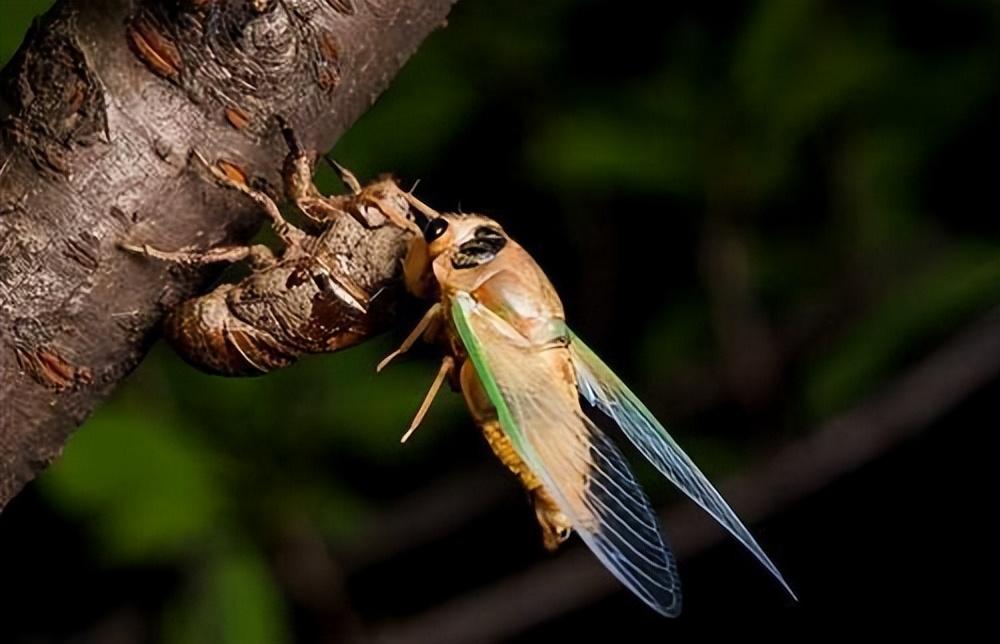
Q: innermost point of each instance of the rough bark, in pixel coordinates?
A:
(103, 106)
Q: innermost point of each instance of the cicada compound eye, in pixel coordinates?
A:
(435, 228)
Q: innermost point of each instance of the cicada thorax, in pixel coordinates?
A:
(472, 254)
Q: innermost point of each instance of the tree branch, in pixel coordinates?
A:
(103, 106)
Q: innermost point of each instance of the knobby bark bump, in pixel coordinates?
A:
(103, 107)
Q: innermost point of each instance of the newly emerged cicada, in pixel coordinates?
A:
(523, 373)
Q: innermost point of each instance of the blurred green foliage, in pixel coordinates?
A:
(809, 131)
(932, 302)
(174, 499)
(232, 599)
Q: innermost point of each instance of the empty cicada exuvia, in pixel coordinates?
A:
(310, 296)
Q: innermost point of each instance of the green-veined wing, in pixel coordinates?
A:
(605, 391)
(579, 466)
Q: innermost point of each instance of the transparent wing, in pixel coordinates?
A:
(605, 391)
(586, 475)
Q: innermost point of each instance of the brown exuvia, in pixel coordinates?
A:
(307, 298)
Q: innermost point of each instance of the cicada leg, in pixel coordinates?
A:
(299, 186)
(383, 195)
(317, 207)
(447, 366)
(287, 233)
(258, 255)
(425, 327)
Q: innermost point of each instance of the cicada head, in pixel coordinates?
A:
(452, 241)
(460, 250)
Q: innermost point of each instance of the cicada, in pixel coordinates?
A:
(524, 375)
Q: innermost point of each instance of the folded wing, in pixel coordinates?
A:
(578, 465)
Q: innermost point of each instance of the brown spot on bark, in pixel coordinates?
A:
(239, 52)
(260, 6)
(158, 52)
(50, 369)
(343, 6)
(232, 170)
(77, 94)
(55, 100)
(237, 117)
(328, 74)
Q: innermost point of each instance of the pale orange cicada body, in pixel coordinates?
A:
(523, 374)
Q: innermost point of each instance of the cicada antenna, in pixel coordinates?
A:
(426, 210)
(421, 208)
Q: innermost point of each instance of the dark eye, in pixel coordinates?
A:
(435, 228)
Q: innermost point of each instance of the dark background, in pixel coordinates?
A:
(766, 216)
